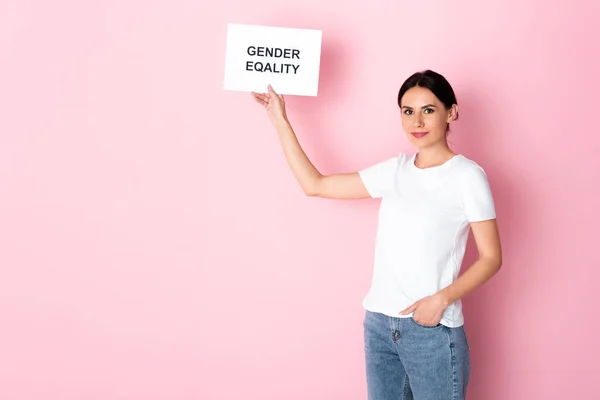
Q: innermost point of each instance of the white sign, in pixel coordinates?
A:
(286, 58)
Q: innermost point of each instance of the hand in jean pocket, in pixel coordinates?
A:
(428, 311)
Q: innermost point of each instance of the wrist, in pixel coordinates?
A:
(281, 122)
(445, 298)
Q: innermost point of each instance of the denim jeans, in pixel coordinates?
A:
(409, 361)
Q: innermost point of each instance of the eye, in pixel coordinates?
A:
(408, 112)
(428, 109)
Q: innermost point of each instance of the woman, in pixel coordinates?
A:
(415, 343)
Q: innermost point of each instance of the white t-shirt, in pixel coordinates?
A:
(423, 229)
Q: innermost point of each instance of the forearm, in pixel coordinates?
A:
(302, 168)
(479, 273)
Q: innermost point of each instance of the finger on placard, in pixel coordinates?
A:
(273, 92)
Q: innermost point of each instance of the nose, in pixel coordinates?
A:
(418, 120)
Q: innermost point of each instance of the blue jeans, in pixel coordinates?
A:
(406, 360)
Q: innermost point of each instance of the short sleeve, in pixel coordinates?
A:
(477, 196)
(379, 178)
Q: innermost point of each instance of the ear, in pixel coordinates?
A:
(453, 113)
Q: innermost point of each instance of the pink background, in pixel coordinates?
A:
(155, 245)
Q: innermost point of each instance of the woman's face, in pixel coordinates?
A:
(424, 117)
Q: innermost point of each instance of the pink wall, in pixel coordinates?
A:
(155, 245)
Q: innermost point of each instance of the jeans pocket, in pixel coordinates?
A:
(425, 326)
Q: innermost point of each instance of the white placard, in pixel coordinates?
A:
(287, 58)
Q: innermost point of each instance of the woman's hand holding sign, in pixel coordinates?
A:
(334, 186)
(274, 103)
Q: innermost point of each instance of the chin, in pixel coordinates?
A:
(425, 141)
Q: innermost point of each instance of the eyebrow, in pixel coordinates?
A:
(425, 106)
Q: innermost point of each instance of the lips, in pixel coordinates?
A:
(419, 135)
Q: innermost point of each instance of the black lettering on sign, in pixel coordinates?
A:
(276, 68)
(273, 67)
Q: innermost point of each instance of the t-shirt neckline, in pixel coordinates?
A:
(445, 165)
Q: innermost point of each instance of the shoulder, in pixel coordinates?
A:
(469, 169)
(394, 161)
(475, 191)
(471, 176)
